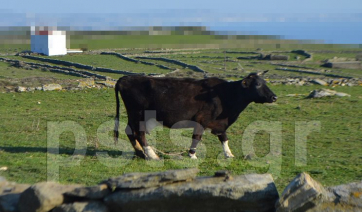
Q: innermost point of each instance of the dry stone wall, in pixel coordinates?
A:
(79, 65)
(344, 65)
(181, 190)
(177, 62)
(134, 60)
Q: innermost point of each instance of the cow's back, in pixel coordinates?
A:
(173, 99)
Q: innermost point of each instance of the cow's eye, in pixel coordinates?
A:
(258, 84)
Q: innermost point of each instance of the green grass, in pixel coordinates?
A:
(6, 71)
(333, 154)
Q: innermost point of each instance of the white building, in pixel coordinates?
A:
(48, 42)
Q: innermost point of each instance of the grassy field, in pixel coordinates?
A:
(333, 153)
(12, 76)
(333, 146)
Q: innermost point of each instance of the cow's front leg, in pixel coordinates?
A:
(196, 138)
(225, 145)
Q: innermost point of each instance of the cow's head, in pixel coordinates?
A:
(258, 91)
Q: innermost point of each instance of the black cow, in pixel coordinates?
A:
(182, 103)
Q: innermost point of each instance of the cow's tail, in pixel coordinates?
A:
(116, 120)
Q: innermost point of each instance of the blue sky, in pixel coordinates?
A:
(224, 6)
(303, 19)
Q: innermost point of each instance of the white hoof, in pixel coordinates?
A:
(150, 154)
(229, 155)
(226, 149)
(193, 156)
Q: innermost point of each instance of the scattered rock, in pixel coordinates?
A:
(321, 93)
(20, 64)
(30, 89)
(253, 192)
(20, 89)
(301, 83)
(43, 197)
(108, 83)
(147, 180)
(93, 192)
(52, 87)
(318, 93)
(301, 194)
(91, 206)
(342, 94)
(319, 82)
(86, 83)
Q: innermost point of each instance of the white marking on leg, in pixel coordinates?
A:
(150, 154)
(192, 156)
(226, 149)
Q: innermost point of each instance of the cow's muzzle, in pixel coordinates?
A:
(274, 98)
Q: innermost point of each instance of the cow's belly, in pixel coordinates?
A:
(176, 118)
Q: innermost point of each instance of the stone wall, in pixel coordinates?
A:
(181, 190)
(344, 65)
(80, 66)
(304, 53)
(136, 61)
(177, 62)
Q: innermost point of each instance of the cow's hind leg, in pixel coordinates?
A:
(136, 145)
(196, 138)
(149, 152)
(225, 145)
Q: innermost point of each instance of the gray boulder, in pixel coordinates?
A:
(92, 192)
(51, 87)
(319, 93)
(251, 192)
(347, 197)
(301, 194)
(30, 89)
(319, 82)
(92, 206)
(44, 196)
(147, 180)
(20, 89)
(10, 194)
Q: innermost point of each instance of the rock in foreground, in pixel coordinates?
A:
(181, 190)
(42, 197)
(306, 194)
(301, 194)
(251, 192)
(147, 180)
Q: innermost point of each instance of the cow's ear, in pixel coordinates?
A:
(246, 82)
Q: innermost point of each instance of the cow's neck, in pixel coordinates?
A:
(240, 100)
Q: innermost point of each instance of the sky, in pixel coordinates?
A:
(304, 19)
(224, 6)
